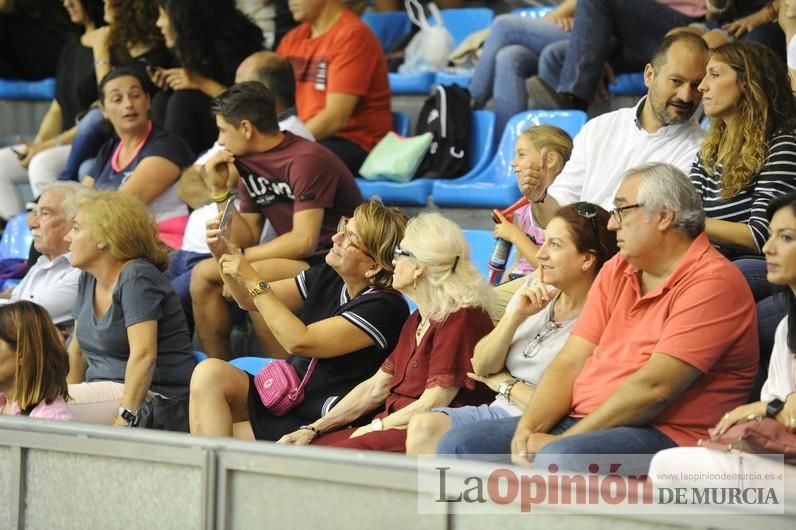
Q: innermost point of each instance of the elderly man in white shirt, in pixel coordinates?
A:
(52, 281)
(660, 128)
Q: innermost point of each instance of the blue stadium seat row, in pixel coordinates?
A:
(490, 183)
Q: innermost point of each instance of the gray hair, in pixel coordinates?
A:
(70, 195)
(665, 186)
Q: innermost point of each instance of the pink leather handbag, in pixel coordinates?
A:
(279, 386)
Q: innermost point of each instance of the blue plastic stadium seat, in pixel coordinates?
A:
(532, 12)
(460, 23)
(250, 365)
(400, 123)
(628, 85)
(416, 192)
(199, 356)
(417, 83)
(389, 26)
(496, 185)
(19, 89)
(453, 78)
(16, 239)
(481, 245)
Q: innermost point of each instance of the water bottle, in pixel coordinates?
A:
(497, 263)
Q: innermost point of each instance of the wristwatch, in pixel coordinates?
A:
(504, 389)
(128, 415)
(377, 425)
(261, 289)
(773, 407)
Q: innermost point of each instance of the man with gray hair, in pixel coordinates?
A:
(52, 281)
(666, 343)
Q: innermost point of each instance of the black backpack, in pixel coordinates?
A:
(446, 114)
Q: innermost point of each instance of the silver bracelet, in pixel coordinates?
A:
(717, 10)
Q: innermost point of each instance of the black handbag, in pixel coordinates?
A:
(164, 413)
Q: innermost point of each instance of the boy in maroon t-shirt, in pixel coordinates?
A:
(300, 187)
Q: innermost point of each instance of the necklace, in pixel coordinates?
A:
(421, 328)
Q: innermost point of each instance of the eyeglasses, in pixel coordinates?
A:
(617, 212)
(589, 211)
(348, 237)
(534, 345)
(401, 253)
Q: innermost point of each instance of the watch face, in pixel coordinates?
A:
(263, 286)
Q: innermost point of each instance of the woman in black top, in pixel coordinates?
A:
(346, 315)
(209, 39)
(75, 90)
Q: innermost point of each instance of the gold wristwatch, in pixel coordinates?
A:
(261, 289)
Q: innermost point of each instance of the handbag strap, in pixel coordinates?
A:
(307, 375)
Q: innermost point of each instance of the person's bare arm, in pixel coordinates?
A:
(152, 177)
(334, 116)
(191, 189)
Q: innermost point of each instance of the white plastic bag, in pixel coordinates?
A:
(430, 47)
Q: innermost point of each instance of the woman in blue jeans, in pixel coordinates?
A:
(511, 55)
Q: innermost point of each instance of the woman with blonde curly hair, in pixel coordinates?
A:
(428, 367)
(747, 159)
(130, 333)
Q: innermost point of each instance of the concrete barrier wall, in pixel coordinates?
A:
(62, 476)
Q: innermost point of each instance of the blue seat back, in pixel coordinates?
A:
(569, 120)
(389, 26)
(461, 22)
(16, 239)
(400, 123)
(251, 365)
(482, 138)
(481, 245)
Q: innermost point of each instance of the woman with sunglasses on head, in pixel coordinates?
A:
(343, 313)
(429, 366)
(511, 359)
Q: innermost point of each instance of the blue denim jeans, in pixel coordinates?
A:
(493, 437)
(510, 56)
(92, 132)
(179, 273)
(637, 25)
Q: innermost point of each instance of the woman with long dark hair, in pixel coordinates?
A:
(208, 39)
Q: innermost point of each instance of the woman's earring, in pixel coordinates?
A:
(414, 284)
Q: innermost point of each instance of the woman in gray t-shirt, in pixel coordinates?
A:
(130, 332)
(512, 358)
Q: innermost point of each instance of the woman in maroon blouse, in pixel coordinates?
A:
(428, 367)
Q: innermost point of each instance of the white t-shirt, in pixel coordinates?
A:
(781, 379)
(531, 368)
(792, 53)
(612, 143)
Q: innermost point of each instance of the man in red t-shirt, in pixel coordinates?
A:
(666, 343)
(342, 90)
(299, 186)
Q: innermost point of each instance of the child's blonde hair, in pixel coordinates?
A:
(555, 139)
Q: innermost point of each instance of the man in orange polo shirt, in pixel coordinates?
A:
(666, 343)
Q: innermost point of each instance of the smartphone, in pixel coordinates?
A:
(226, 217)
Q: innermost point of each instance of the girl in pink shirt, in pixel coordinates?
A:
(33, 364)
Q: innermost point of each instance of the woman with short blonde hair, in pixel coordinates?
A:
(130, 334)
